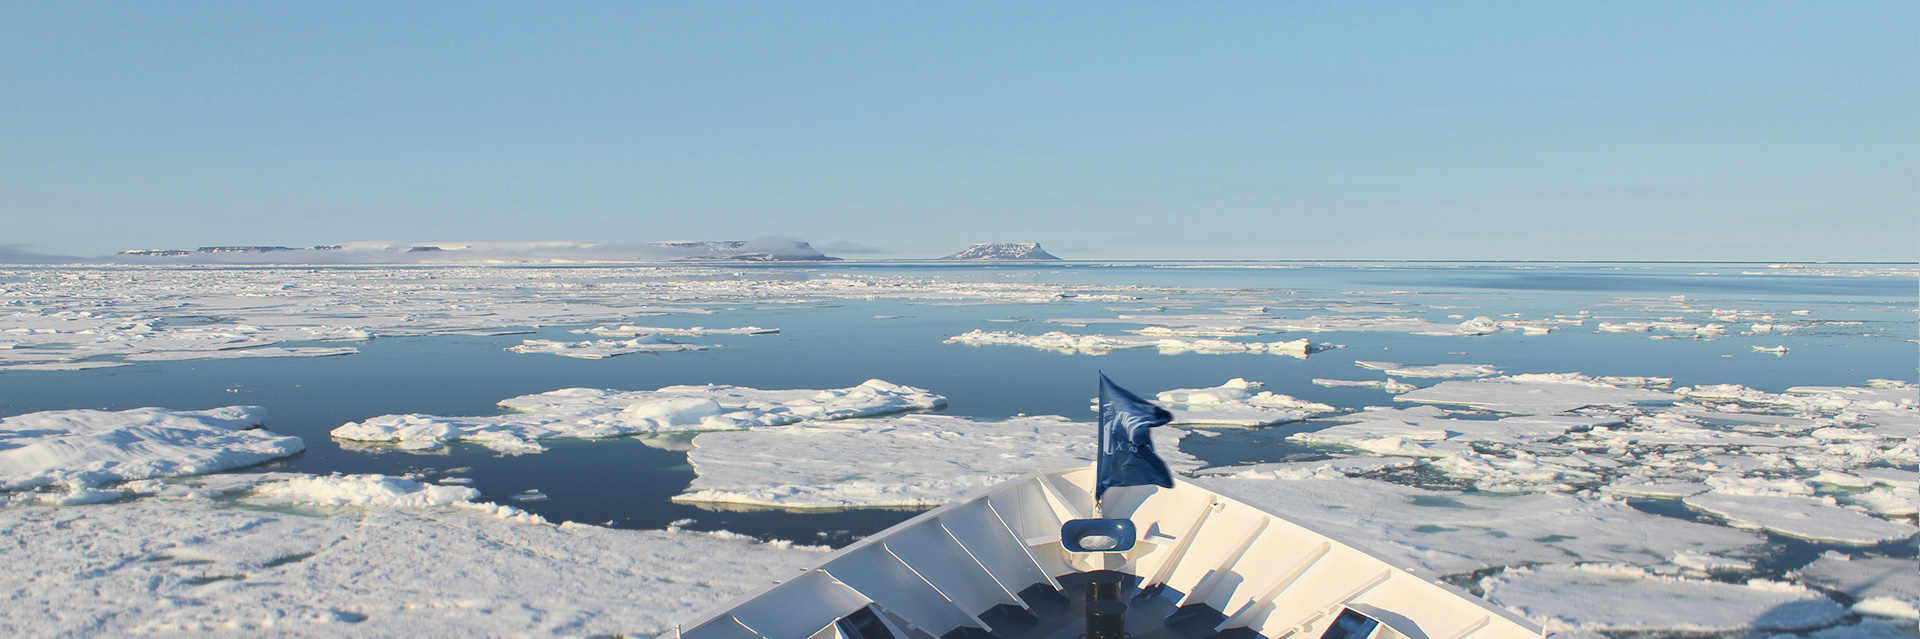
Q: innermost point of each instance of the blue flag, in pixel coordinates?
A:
(1126, 446)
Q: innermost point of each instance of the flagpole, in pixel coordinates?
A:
(1099, 441)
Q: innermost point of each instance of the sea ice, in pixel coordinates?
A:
(1450, 532)
(243, 353)
(1097, 344)
(1613, 597)
(1237, 402)
(57, 317)
(1428, 423)
(1249, 323)
(188, 566)
(1534, 394)
(630, 330)
(361, 490)
(1892, 585)
(604, 348)
(1814, 518)
(909, 460)
(595, 413)
(1437, 370)
(90, 447)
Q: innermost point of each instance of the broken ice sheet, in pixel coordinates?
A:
(1436, 370)
(75, 314)
(1882, 586)
(244, 353)
(1098, 344)
(910, 460)
(191, 567)
(604, 348)
(1429, 423)
(1255, 323)
(1535, 394)
(90, 447)
(1619, 597)
(597, 413)
(632, 330)
(1238, 402)
(1450, 532)
(1813, 518)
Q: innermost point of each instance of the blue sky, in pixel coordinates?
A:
(1282, 130)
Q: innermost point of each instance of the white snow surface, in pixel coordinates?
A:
(1447, 532)
(1815, 518)
(597, 413)
(1613, 597)
(909, 460)
(1237, 402)
(632, 330)
(1535, 394)
(70, 318)
(1428, 423)
(1892, 583)
(362, 490)
(1099, 344)
(191, 567)
(604, 348)
(89, 447)
(1435, 370)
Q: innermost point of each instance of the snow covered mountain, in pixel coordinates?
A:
(1003, 251)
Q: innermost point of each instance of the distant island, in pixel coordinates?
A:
(1003, 251)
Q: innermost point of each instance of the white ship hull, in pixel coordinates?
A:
(1205, 565)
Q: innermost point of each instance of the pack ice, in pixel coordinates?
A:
(909, 460)
(1097, 344)
(82, 448)
(598, 413)
(355, 556)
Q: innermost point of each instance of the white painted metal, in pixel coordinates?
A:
(950, 565)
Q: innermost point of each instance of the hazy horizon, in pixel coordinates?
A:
(1719, 131)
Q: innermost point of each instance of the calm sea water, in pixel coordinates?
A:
(624, 483)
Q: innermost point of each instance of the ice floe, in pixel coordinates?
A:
(597, 413)
(1436, 370)
(1390, 385)
(1097, 344)
(604, 348)
(1428, 423)
(192, 566)
(1612, 597)
(1807, 517)
(1535, 393)
(909, 460)
(61, 318)
(362, 490)
(1883, 586)
(83, 448)
(1237, 402)
(631, 330)
(1448, 532)
(1256, 321)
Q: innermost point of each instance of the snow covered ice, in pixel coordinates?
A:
(1097, 344)
(910, 460)
(597, 413)
(1238, 402)
(1593, 503)
(376, 564)
(604, 348)
(81, 448)
(1534, 394)
(1602, 597)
